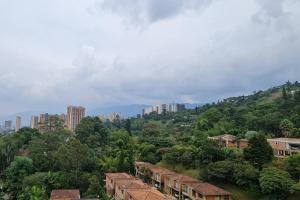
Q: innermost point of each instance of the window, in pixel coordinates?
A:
(185, 188)
(226, 197)
(176, 185)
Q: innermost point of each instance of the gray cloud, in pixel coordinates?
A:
(54, 54)
(149, 11)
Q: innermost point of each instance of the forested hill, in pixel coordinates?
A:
(275, 112)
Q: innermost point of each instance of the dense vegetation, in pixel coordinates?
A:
(32, 164)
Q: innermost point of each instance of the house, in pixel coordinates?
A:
(284, 146)
(151, 194)
(152, 174)
(158, 177)
(230, 141)
(65, 195)
(125, 185)
(179, 186)
(110, 181)
(173, 184)
(203, 191)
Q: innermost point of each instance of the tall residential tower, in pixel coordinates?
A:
(18, 123)
(75, 114)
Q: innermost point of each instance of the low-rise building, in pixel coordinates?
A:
(125, 185)
(284, 146)
(150, 194)
(152, 174)
(174, 184)
(177, 185)
(203, 191)
(65, 195)
(110, 181)
(230, 141)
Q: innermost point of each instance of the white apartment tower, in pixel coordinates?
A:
(18, 123)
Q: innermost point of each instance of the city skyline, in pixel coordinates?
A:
(96, 52)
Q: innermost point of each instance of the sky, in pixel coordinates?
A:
(95, 53)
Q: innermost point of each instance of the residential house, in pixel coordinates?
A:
(150, 194)
(285, 146)
(179, 186)
(203, 191)
(125, 185)
(230, 141)
(110, 181)
(173, 184)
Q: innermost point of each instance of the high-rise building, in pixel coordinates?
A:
(18, 123)
(43, 117)
(164, 108)
(63, 118)
(34, 122)
(8, 124)
(75, 114)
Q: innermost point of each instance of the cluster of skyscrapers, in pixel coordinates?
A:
(164, 108)
(8, 125)
(69, 120)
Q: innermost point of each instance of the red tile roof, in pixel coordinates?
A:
(65, 195)
(131, 184)
(151, 194)
(208, 189)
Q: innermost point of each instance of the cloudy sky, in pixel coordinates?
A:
(117, 52)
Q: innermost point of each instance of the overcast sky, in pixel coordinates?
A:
(117, 52)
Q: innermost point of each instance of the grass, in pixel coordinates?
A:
(237, 192)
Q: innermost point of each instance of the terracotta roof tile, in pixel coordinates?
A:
(208, 189)
(131, 184)
(151, 194)
(65, 194)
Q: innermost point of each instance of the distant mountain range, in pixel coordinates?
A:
(125, 111)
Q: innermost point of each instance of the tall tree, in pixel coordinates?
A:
(276, 183)
(259, 152)
(91, 131)
(286, 127)
(127, 126)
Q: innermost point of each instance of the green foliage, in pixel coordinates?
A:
(293, 166)
(151, 129)
(127, 126)
(259, 152)
(92, 132)
(286, 127)
(276, 183)
(17, 171)
(33, 193)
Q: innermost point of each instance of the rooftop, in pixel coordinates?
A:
(288, 140)
(224, 137)
(65, 195)
(208, 189)
(117, 175)
(151, 194)
(131, 184)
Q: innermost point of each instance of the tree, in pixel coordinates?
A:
(221, 170)
(286, 127)
(92, 132)
(245, 175)
(74, 157)
(127, 126)
(284, 94)
(258, 152)
(293, 166)
(151, 129)
(276, 183)
(33, 193)
(17, 171)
